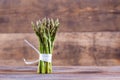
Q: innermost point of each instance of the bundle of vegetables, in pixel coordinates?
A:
(46, 31)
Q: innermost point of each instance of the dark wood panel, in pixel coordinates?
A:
(74, 15)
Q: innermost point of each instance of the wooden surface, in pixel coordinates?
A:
(82, 48)
(82, 15)
(61, 73)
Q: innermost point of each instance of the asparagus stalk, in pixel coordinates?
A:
(46, 31)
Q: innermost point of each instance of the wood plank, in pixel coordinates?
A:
(76, 48)
(87, 15)
(61, 73)
(63, 69)
(107, 48)
(12, 45)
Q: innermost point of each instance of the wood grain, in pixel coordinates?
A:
(61, 73)
(74, 15)
(107, 48)
(65, 50)
(76, 48)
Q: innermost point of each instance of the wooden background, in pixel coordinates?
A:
(89, 33)
(74, 15)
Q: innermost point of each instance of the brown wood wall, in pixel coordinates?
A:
(74, 15)
(75, 48)
(89, 33)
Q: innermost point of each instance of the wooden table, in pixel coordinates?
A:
(61, 73)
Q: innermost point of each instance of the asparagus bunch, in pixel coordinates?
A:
(45, 30)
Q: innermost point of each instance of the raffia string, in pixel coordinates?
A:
(42, 56)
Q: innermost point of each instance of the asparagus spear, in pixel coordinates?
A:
(46, 31)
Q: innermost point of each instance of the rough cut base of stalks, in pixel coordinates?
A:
(44, 67)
